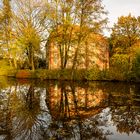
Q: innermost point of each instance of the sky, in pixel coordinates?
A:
(117, 8)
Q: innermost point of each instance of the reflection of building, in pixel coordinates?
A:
(91, 52)
(65, 104)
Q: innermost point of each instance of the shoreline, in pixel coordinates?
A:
(65, 75)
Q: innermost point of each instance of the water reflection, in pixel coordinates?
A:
(51, 110)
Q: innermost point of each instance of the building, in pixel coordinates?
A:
(92, 51)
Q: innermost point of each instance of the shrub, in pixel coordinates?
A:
(24, 74)
(79, 74)
(93, 74)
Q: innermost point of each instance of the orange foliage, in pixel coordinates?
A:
(24, 74)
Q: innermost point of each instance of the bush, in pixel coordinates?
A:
(24, 74)
(93, 74)
(78, 74)
(65, 74)
(47, 74)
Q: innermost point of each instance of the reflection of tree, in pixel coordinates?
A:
(125, 110)
(26, 112)
(64, 103)
(67, 110)
(69, 117)
(6, 114)
(126, 118)
(22, 114)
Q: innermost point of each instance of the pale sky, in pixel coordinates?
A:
(117, 8)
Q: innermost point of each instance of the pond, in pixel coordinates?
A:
(52, 110)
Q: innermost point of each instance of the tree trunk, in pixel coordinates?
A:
(47, 47)
(31, 57)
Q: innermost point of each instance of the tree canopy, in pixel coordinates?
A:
(125, 33)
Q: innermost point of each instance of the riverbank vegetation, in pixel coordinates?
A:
(85, 75)
(28, 28)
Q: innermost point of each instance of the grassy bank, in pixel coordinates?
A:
(67, 74)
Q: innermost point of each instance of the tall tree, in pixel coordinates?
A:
(73, 21)
(63, 20)
(6, 29)
(29, 17)
(124, 34)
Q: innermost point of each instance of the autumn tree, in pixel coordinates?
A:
(124, 34)
(6, 29)
(63, 20)
(1, 19)
(90, 14)
(73, 21)
(29, 20)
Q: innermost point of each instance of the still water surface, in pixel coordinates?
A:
(52, 110)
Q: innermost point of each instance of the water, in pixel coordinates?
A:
(52, 110)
